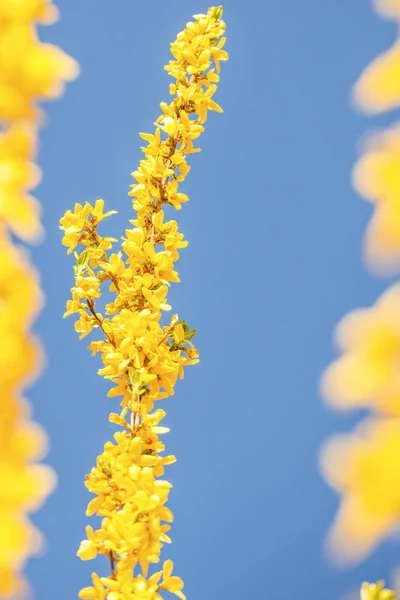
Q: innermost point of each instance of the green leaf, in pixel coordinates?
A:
(82, 259)
(190, 334)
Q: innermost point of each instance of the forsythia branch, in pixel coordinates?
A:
(141, 357)
(30, 71)
(364, 467)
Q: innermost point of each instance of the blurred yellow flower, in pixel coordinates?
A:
(376, 177)
(367, 373)
(18, 174)
(42, 11)
(389, 9)
(24, 485)
(378, 88)
(364, 467)
(30, 71)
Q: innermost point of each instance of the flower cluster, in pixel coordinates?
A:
(376, 591)
(141, 354)
(364, 466)
(375, 175)
(30, 72)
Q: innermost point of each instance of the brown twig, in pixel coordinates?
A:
(90, 306)
(112, 563)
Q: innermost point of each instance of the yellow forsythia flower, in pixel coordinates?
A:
(376, 177)
(364, 467)
(376, 591)
(389, 9)
(368, 371)
(142, 357)
(23, 483)
(378, 88)
(19, 174)
(30, 71)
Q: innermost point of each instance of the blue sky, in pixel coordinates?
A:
(274, 261)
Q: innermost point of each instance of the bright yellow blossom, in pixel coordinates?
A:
(376, 178)
(376, 591)
(30, 71)
(378, 88)
(142, 352)
(364, 467)
(121, 585)
(367, 373)
(18, 174)
(23, 483)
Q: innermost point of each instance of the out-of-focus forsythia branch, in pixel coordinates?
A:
(30, 72)
(141, 357)
(364, 466)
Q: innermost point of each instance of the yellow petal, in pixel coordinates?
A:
(382, 242)
(353, 380)
(167, 569)
(378, 88)
(87, 550)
